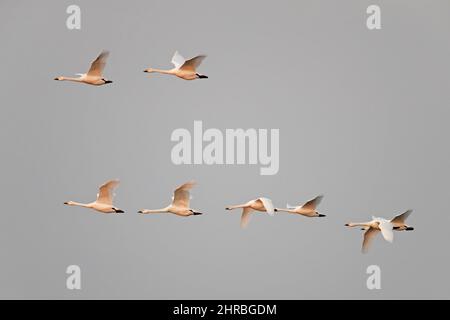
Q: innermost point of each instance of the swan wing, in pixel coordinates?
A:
(268, 205)
(181, 195)
(312, 204)
(290, 207)
(98, 65)
(178, 60)
(401, 217)
(105, 194)
(386, 228)
(245, 218)
(368, 236)
(192, 64)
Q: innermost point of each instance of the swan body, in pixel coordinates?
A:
(94, 75)
(180, 203)
(372, 228)
(307, 209)
(104, 202)
(260, 204)
(184, 69)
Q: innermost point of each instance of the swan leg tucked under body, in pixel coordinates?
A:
(180, 203)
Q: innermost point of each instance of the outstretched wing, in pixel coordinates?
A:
(386, 228)
(181, 195)
(401, 217)
(98, 65)
(192, 64)
(312, 204)
(105, 194)
(290, 207)
(178, 60)
(368, 236)
(268, 205)
(245, 218)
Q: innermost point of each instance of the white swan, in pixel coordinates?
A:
(184, 69)
(260, 204)
(399, 222)
(372, 228)
(180, 203)
(94, 75)
(308, 209)
(104, 202)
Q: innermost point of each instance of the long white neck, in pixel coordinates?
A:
(286, 210)
(154, 211)
(358, 224)
(70, 79)
(171, 71)
(78, 204)
(238, 206)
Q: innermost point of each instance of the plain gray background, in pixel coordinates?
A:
(363, 118)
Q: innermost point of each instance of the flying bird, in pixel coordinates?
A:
(260, 204)
(184, 69)
(372, 228)
(94, 75)
(180, 202)
(308, 209)
(399, 222)
(104, 202)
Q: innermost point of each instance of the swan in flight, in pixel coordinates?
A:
(260, 204)
(104, 202)
(94, 75)
(399, 222)
(308, 209)
(184, 69)
(372, 228)
(180, 202)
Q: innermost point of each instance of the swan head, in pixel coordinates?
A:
(149, 70)
(69, 203)
(320, 215)
(59, 78)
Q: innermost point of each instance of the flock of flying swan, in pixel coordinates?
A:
(184, 69)
(180, 206)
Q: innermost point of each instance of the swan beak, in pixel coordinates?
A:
(321, 215)
(146, 70)
(108, 81)
(66, 202)
(409, 228)
(346, 225)
(55, 79)
(276, 210)
(140, 211)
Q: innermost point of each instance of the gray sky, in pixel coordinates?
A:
(363, 118)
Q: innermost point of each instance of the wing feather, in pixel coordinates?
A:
(181, 194)
(97, 66)
(105, 194)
